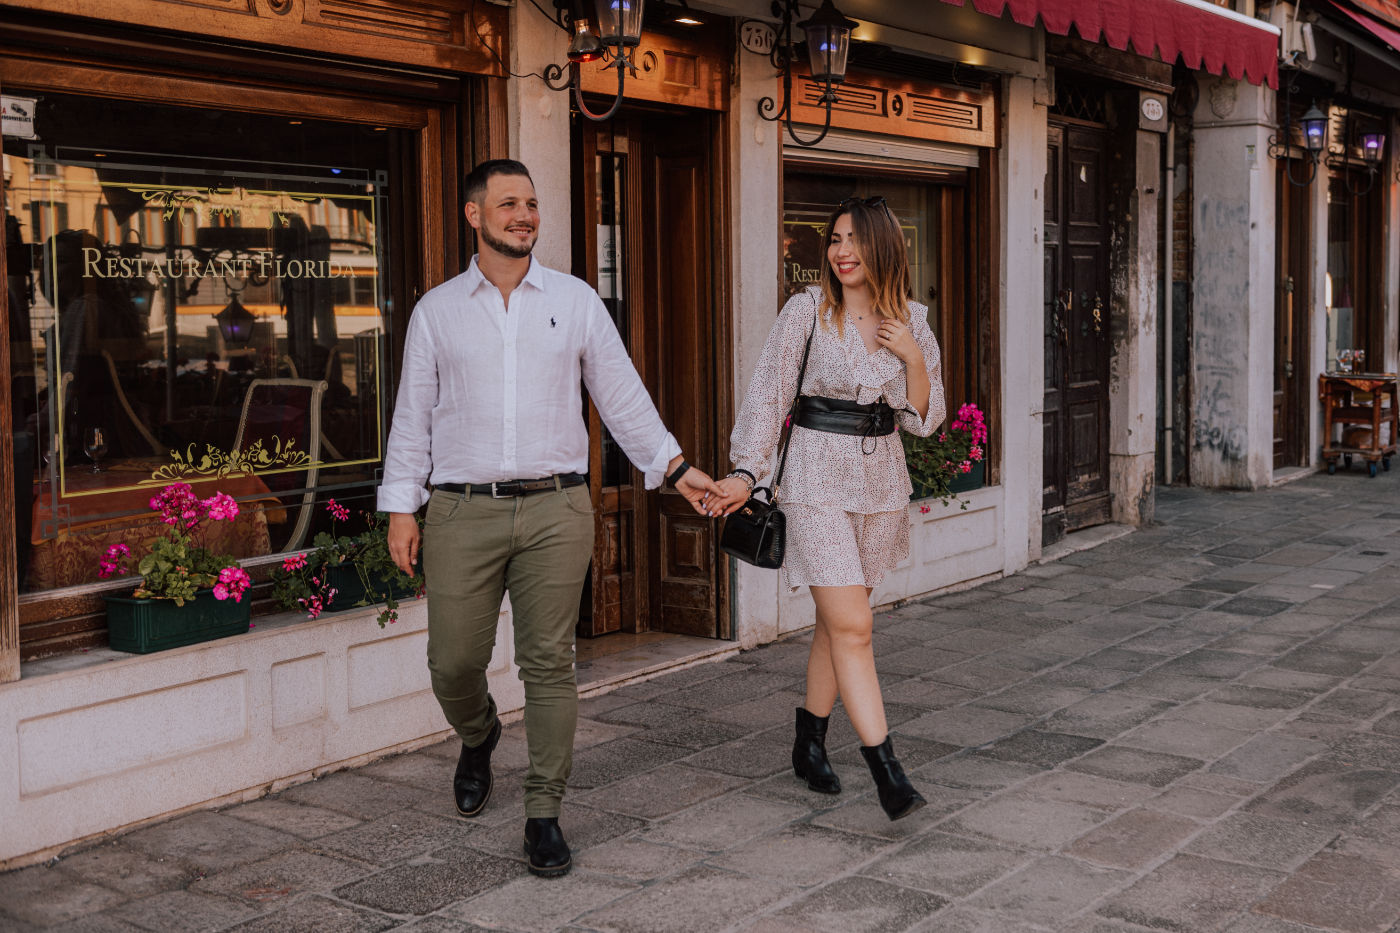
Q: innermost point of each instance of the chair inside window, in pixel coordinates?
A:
(285, 411)
(156, 446)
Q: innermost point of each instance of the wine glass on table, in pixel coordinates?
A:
(95, 446)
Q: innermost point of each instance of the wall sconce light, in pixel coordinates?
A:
(235, 324)
(828, 43)
(1372, 149)
(1314, 124)
(614, 30)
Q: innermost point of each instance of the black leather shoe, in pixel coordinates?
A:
(471, 785)
(897, 796)
(809, 759)
(545, 847)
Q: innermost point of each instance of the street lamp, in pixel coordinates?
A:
(828, 42)
(613, 31)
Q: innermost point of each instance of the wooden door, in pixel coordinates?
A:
(645, 232)
(1292, 307)
(1075, 493)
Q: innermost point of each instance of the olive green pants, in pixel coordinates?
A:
(536, 547)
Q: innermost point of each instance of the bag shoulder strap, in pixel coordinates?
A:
(801, 371)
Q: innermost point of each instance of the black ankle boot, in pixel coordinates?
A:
(897, 795)
(809, 754)
(471, 785)
(545, 847)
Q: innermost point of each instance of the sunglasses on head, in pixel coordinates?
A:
(876, 201)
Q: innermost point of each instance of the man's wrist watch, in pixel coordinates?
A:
(678, 472)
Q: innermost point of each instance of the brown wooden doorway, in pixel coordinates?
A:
(646, 220)
(1077, 344)
(1292, 306)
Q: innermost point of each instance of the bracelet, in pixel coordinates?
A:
(678, 473)
(746, 476)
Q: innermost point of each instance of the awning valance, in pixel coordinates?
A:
(1386, 33)
(1202, 34)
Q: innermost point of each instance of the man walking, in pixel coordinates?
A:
(489, 413)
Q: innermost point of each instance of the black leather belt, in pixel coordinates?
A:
(515, 487)
(840, 416)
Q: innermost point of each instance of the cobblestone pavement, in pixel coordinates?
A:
(1195, 727)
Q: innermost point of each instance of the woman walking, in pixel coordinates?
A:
(871, 364)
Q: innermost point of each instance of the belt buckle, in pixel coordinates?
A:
(505, 490)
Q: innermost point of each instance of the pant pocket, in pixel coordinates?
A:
(442, 506)
(578, 499)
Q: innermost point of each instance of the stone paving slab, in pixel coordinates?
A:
(1193, 728)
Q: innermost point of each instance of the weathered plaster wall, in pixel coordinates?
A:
(1132, 387)
(1233, 289)
(539, 129)
(1022, 289)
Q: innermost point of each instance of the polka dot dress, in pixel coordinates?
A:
(845, 497)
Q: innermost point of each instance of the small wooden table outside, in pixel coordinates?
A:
(1365, 399)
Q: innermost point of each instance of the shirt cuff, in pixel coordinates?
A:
(655, 474)
(401, 497)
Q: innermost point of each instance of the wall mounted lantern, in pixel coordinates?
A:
(828, 42)
(1314, 124)
(1372, 150)
(613, 31)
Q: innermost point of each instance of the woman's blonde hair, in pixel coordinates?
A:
(883, 253)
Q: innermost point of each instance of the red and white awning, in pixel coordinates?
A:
(1204, 35)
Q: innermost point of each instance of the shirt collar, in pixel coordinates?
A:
(534, 276)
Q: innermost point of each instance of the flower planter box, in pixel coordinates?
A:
(966, 482)
(145, 625)
(350, 589)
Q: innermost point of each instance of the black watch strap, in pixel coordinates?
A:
(677, 473)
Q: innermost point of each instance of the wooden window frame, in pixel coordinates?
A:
(451, 117)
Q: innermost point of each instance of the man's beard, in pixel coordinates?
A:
(504, 248)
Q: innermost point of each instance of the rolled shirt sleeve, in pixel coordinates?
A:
(771, 392)
(408, 459)
(622, 399)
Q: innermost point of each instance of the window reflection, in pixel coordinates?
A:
(216, 315)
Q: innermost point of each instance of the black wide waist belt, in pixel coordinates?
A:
(840, 416)
(515, 487)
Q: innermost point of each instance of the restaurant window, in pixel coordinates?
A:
(938, 215)
(197, 296)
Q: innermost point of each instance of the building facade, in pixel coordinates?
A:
(173, 169)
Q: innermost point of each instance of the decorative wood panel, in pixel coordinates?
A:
(456, 35)
(900, 107)
(687, 71)
(9, 554)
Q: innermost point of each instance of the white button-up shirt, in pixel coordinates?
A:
(488, 394)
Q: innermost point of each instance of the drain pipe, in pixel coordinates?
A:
(1168, 374)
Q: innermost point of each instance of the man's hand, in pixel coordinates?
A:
(695, 484)
(404, 538)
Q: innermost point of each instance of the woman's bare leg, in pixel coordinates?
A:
(821, 676)
(843, 612)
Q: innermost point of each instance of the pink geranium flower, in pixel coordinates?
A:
(221, 507)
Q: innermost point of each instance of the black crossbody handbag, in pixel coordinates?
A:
(757, 532)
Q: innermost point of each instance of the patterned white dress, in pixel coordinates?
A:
(847, 508)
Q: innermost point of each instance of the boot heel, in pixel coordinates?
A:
(809, 761)
(898, 797)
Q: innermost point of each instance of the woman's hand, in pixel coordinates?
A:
(895, 336)
(697, 487)
(734, 492)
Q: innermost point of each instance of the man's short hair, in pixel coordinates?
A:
(474, 185)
